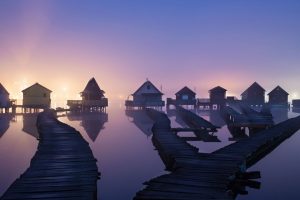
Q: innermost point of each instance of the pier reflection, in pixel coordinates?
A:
(92, 122)
(141, 120)
(4, 123)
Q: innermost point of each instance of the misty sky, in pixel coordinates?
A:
(199, 43)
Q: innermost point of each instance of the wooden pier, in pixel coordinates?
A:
(170, 145)
(219, 175)
(205, 128)
(62, 168)
(253, 120)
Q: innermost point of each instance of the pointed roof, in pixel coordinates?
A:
(218, 88)
(36, 85)
(278, 89)
(185, 90)
(92, 87)
(254, 85)
(147, 88)
(3, 90)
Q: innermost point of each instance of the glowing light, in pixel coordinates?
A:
(294, 95)
(64, 88)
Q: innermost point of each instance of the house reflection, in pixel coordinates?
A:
(29, 124)
(141, 120)
(92, 122)
(178, 119)
(4, 123)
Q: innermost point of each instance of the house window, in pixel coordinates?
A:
(185, 97)
(148, 87)
(45, 95)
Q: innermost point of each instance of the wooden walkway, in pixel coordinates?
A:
(62, 168)
(217, 175)
(206, 129)
(171, 146)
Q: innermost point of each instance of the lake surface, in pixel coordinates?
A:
(121, 142)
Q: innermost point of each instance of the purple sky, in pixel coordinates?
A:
(62, 44)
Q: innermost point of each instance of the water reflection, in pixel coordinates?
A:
(140, 120)
(4, 123)
(173, 113)
(92, 122)
(216, 119)
(29, 124)
(126, 157)
(16, 149)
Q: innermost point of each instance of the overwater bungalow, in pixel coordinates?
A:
(254, 95)
(147, 95)
(36, 97)
(296, 103)
(217, 96)
(93, 98)
(278, 96)
(185, 96)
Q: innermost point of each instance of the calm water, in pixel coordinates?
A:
(121, 142)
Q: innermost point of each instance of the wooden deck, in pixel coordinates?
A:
(217, 175)
(62, 168)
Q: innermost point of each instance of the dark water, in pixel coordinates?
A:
(121, 142)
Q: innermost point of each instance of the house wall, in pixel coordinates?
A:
(296, 103)
(92, 96)
(181, 96)
(217, 97)
(4, 101)
(36, 96)
(254, 97)
(147, 98)
(278, 98)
